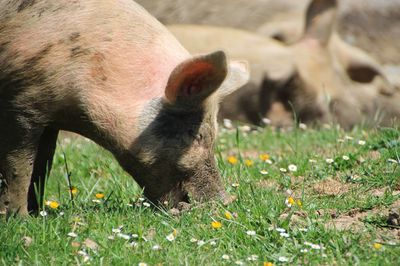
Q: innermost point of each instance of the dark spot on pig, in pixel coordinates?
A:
(39, 55)
(75, 51)
(97, 70)
(58, 8)
(16, 79)
(41, 11)
(107, 39)
(78, 51)
(74, 36)
(24, 4)
(3, 47)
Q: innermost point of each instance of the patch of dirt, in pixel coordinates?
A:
(397, 186)
(331, 187)
(380, 192)
(394, 217)
(296, 194)
(345, 222)
(391, 236)
(296, 181)
(269, 184)
(151, 233)
(374, 155)
(89, 243)
(296, 218)
(353, 220)
(329, 212)
(250, 154)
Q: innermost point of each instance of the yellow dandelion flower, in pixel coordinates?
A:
(228, 215)
(54, 204)
(268, 263)
(99, 195)
(377, 246)
(175, 233)
(73, 190)
(299, 203)
(291, 201)
(232, 160)
(249, 163)
(264, 156)
(216, 224)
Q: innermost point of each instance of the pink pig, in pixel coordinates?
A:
(111, 72)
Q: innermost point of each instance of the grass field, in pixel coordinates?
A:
(306, 196)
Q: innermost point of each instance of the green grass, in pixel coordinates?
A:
(260, 206)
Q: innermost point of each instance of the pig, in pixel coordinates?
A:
(316, 77)
(108, 71)
(374, 26)
(241, 14)
(379, 38)
(371, 25)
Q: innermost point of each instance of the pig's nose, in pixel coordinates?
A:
(226, 197)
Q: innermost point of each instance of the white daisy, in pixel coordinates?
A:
(72, 234)
(329, 160)
(251, 233)
(283, 259)
(361, 142)
(292, 168)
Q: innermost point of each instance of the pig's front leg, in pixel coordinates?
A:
(41, 168)
(17, 152)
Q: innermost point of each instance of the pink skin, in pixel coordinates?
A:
(115, 79)
(108, 71)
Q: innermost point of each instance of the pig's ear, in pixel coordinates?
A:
(191, 82)
(238, 75)
(320, 20)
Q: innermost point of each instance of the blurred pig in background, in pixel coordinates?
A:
(319, 76)
(370, 24)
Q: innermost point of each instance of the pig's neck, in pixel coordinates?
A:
(117, 121)
(123, 81)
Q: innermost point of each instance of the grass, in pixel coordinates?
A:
(120, 228)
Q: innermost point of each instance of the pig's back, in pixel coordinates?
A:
(238, 43)
(111, 44)
(264, 55)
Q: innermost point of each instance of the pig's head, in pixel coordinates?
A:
(321, 71)
(173, 158)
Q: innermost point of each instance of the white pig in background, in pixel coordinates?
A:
(319, 77)
(373, 25)
(111, 72)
